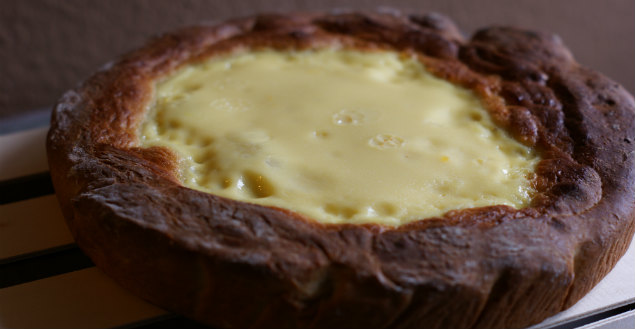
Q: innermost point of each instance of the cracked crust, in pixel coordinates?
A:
(233, 264)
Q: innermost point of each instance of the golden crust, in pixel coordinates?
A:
(233, 264)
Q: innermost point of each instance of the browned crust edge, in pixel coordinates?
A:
(233, 264)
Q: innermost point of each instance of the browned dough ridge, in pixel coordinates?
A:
(228, 263)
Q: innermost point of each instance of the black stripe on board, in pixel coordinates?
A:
(596, 317)
(25, 187)
(177, 321)
(42, 264)
(165, 322)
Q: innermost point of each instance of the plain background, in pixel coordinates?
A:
(48, 46)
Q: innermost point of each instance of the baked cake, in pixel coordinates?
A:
(349, 170)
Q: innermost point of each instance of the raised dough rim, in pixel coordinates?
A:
(558, 224)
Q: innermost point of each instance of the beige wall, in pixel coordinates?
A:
(47, 46)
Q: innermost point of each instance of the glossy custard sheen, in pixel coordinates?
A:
(338, 136)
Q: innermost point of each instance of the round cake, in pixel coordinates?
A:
(349, 170)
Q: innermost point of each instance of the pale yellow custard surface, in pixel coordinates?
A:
(338, 136)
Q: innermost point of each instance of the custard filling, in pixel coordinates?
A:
(337, 136)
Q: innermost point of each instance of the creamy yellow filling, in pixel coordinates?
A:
(338, 136)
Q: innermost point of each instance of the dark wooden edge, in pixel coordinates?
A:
(42, 264)
(167, 321)
(595, 317)
(26, 187)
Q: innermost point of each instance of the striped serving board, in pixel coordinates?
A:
(47, 282)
